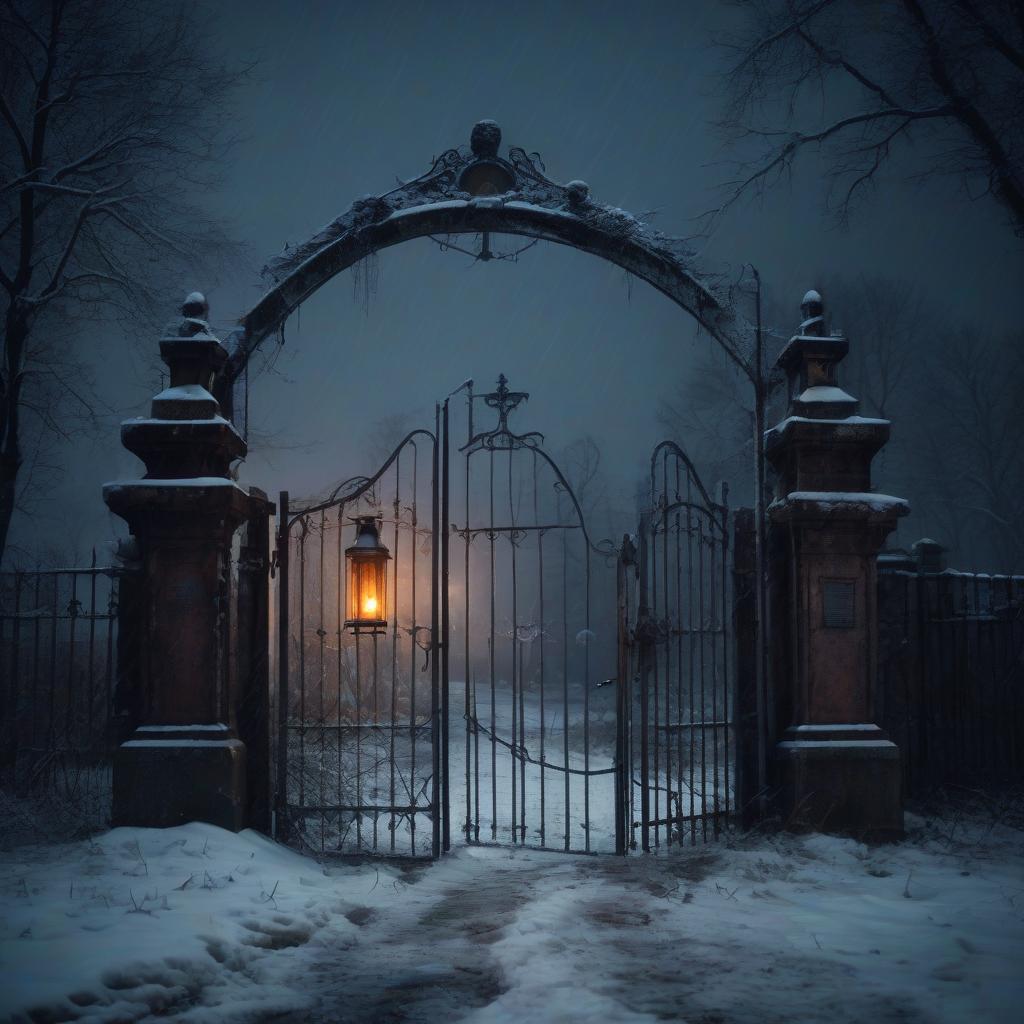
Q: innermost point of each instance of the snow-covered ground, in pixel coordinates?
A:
(198, 924)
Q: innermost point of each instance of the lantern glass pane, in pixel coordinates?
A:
(367, 590)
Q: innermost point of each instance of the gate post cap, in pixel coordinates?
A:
(928, 554)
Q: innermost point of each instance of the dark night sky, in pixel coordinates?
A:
(348, 97)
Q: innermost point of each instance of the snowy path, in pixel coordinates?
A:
(195, 924)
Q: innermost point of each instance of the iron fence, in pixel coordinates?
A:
(950, 676)
(58, 665)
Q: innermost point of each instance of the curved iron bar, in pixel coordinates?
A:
(521, 441)
(369, 481)
(593, 229)
(711, 507)
(522, 752)
(353, 481)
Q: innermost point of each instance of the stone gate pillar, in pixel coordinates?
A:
(184, 761)
(834, 768)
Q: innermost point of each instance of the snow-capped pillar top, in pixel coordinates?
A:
(193, 354)
(185, 436)
(810, 362)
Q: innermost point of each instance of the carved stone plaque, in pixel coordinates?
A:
(838, 602)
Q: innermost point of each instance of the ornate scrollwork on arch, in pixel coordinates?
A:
(475, 190)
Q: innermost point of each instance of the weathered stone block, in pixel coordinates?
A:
(164, 778)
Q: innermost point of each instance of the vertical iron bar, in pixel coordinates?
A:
(91, 678)
(726, 638)
(435, 645)
(341, 590)
(703, 705)
(302, 660)
(679, 667)
(643, 623)
(494, 728)
(621, 675)
(36, 621)
(414, 616)
(691, 660)
(281, 801)
(445, 632)
(395, 542)
(540, 646)
(656, 515)
(14, 687)
(713, 610)
(376, 736)
(51, 745)
(565, 676)
(668, 656)
(322, 636)
(472, 730)
(586, 705)
(514, 753)
(69, 731)
(108, 682)
(359, 741)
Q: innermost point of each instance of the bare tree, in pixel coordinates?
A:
(710, 414)
(863, 80)
(111, 120)
(968, 477)
(888, 324)
(580, 461)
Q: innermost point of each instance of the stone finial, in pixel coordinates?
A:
(813, 309)
(578, 192)
(185, 437)
(195, 306)
(485, 139)
(810, 360)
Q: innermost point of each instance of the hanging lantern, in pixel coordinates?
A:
(366, 566)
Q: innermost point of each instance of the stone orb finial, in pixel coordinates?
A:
(195, 306)
(485, 139)
(813, 310)
(578, 192)
(812, 298)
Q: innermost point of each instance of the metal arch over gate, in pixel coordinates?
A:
(676, 700)
(493, 696)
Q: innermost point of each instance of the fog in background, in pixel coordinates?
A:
(346, 99)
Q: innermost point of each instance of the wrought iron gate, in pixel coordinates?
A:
(531, 661)
(676, 744)
(359, 737)
(492, 697)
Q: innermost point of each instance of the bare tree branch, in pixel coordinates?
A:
(950, 74)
